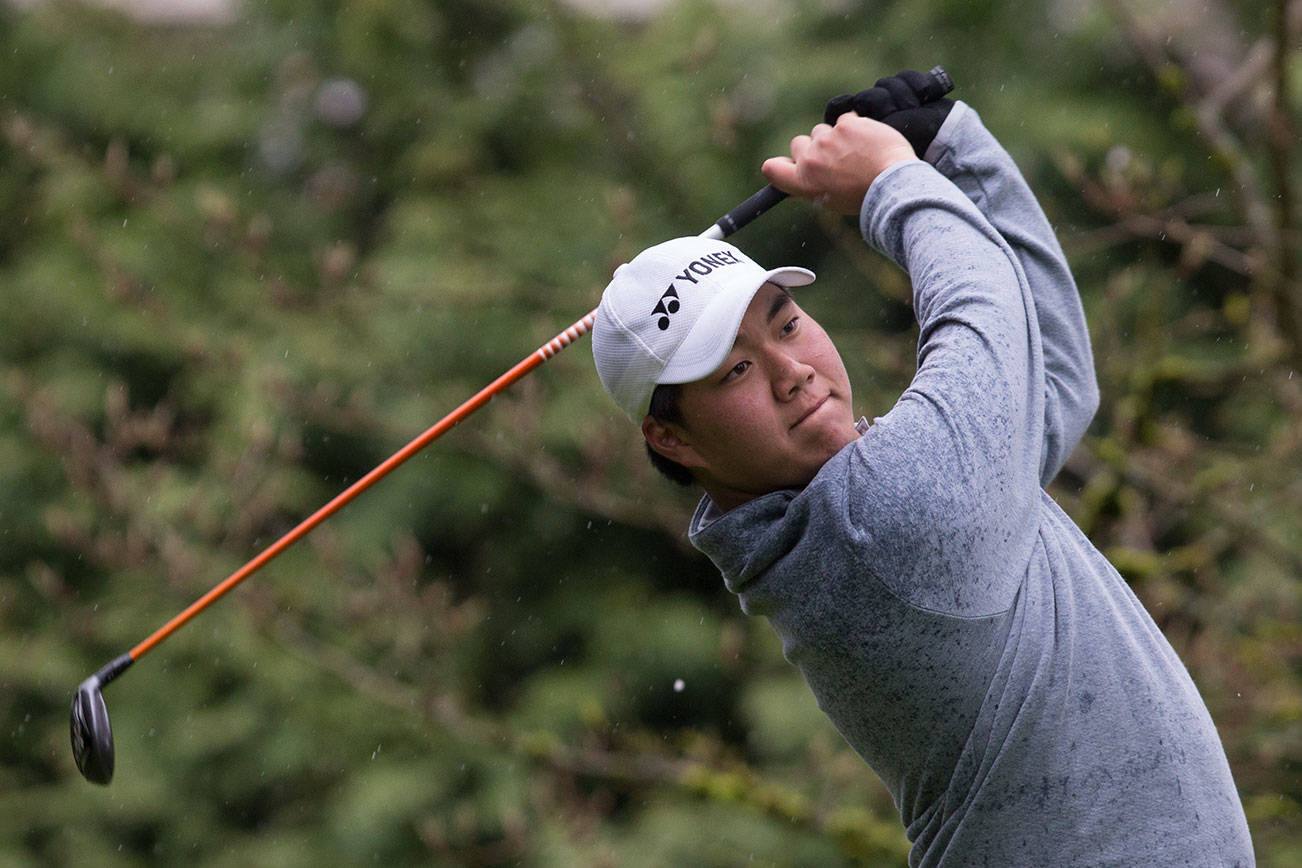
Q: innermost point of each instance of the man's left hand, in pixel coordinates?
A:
(897, 101)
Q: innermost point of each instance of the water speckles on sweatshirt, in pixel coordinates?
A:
(960, 631)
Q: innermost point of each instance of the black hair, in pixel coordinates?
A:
(665, 410)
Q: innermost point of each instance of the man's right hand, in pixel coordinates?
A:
(834, 166)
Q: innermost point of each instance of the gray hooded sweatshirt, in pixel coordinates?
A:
(959, 630)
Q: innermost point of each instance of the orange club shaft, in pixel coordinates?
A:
(438, 429)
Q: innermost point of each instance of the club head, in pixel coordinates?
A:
(92, 736)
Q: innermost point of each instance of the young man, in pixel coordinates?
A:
(955, 625)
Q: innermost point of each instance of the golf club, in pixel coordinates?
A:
(92, 734)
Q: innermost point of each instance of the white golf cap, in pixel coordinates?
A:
(672, 314)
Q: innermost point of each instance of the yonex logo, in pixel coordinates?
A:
(706, 264)
(667, 306)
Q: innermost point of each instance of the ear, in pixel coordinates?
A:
(670, 441)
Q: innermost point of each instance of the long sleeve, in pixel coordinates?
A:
(945, 486)
(965, 152)
(963, 635)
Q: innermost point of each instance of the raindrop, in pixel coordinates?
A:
(1118, 158)
(341, 102)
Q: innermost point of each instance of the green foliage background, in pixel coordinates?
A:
(222, 303)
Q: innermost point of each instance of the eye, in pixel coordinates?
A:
(791, 326)
(736, 371)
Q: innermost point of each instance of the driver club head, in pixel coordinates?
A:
(92, 736)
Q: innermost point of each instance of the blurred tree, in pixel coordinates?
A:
(242, 262)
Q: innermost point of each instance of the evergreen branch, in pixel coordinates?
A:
(858, 833)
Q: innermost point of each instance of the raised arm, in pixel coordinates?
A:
(951, 137)
(965, 152)
(943, 488)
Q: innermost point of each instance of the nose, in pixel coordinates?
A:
(790, 375)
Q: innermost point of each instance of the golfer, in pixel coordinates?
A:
(959, 630)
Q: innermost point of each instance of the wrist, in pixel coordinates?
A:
(882, 188)
(894, 156)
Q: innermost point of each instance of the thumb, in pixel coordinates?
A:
(782, 173)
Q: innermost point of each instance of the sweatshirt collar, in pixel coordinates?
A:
(745, 541)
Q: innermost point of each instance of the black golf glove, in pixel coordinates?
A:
(897, 102)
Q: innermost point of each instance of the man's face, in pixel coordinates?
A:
(772, 414)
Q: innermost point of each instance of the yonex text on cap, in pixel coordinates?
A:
(672, 314)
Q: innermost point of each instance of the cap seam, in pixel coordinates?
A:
(610, 309)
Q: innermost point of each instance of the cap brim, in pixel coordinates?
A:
(711, 338)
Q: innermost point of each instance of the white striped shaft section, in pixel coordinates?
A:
(567, 337)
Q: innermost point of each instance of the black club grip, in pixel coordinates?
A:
(938, 84)
(756, 204)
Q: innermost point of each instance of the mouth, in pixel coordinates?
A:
(811, 411)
